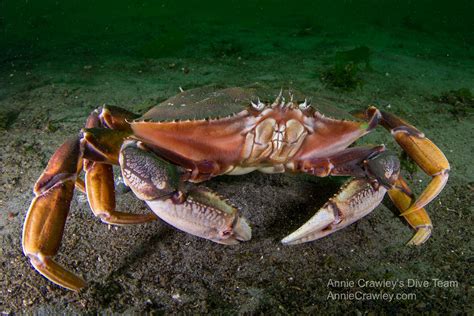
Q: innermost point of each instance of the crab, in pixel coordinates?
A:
(165, 152)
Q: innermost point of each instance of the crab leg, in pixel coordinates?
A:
(348, 162)
(80, 185)
(402, 197)
(104, 145)
(101, 196)
(423, 151)
(195, 210)
(44, 224)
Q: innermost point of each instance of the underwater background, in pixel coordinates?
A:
(59, 60)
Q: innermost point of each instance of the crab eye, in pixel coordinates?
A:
(305, 105)
(258, 105)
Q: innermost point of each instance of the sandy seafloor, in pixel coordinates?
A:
(45, 98)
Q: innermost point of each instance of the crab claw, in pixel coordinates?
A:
(195, 210)
(356, 199)
(205, 214)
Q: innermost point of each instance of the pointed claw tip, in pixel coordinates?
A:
(313, 229)
(242, 230)
(288, 240)
(298, 237)
(421, 236)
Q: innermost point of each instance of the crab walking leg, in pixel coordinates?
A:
(196, 210)
(103, 145)
(80, 185)
(44, 224)
(101, 196)
(423, 151)
(402, 197)
(356, 199)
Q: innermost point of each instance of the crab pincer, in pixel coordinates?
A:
(195, 210)
(356, 199)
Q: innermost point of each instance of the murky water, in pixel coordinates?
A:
(59, 60)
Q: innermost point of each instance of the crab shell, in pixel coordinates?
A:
(206, 130)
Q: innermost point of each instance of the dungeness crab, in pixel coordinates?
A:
(162, 153)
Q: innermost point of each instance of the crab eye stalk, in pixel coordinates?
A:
(258, 105)
(305, 105)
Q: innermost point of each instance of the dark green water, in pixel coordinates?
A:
(176, 28)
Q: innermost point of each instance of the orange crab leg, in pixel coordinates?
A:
(46, 217)
(80, 185)
(44, 224)
(101, 196)
(424, 152)
(104, 144)
(402, 197)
